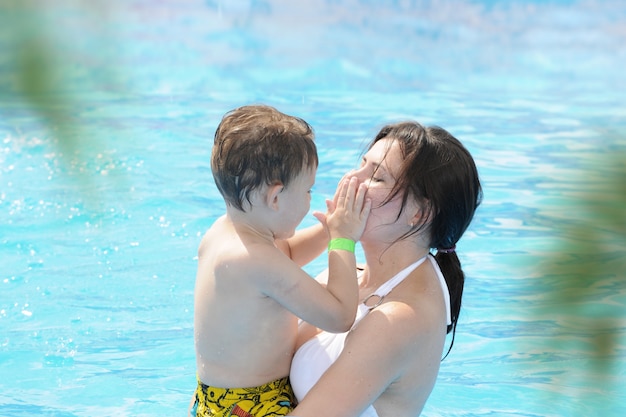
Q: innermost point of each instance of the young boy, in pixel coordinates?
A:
(250, 288)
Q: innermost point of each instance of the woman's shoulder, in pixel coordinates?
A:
(411, 319)
(418, 302)
(406, 318)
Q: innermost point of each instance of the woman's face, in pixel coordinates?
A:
(379, 169)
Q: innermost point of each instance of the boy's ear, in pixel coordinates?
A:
(273, 192)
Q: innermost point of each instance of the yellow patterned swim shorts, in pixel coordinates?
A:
(275, 398)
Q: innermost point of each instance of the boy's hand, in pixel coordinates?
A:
(348, 211)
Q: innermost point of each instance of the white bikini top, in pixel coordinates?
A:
(315, 356)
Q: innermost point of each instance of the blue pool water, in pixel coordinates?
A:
(97, 246)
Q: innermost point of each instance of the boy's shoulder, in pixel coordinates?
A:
(224, 238)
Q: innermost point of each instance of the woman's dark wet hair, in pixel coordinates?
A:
(440, 174)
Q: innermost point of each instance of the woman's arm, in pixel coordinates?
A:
(384, 346)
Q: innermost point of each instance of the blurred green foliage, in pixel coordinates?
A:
(40, 57)
(588, 264)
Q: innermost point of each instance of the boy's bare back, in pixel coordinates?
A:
(247, 338)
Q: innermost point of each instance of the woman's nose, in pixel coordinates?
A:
(358, 173)
(362, 176)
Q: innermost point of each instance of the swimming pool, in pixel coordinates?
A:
(98, 249)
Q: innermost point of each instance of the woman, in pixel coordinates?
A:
(424, 189)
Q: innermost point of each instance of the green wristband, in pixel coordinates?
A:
(341, 243)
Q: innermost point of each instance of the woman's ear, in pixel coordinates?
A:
(422, 216)
(272, 194)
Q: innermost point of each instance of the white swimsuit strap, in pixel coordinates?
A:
(386, 288)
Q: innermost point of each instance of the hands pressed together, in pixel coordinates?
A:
(348, 211)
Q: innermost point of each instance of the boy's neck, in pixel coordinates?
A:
(250, 224)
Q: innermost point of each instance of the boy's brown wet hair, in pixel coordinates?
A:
(258, 145)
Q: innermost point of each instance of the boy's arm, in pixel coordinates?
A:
(309, 243)
(346, 219)
(306, 245)
(333, 307)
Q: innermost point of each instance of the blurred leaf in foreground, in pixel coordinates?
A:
(582, 283)
(40, 55)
